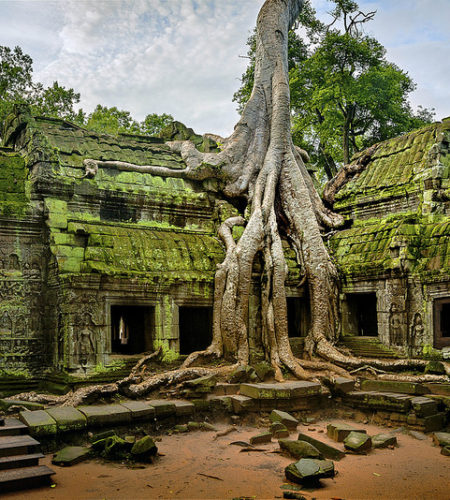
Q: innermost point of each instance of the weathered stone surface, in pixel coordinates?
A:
(144, 449)
(115, 448)
(193, 426)
(98, 436)
(140, 410)
(71, 455)
(285, 418)
(226, 389)
(242, 404)
(243, 373)
(445, 451)
(203, 385)
(265, 437)
(183, 407)
(357, 442)
(427, 424)
(420, 436)
(281, 433)
(441, 388)
(343, 385)
(441, 438)
(287, 390)
(435, 367)
(220, 403)
(39, 422)
(7, 403)
(373, 400)
(163, 408)
(424, 407)
(393, 386)
(264, 371)
(383, 440)
(326, 450)
(277, 426)
(299, 449)
(179, 429)
(100, 415)
(338, 432)
(67, 418)
(309, 470)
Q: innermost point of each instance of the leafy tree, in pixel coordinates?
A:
(56, 101)
(111, 121)
(345, 95)
(154, 123)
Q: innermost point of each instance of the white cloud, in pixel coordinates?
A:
(182, 56)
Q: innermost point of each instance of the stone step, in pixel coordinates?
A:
(394, 386)
(25, 477)
(12, 427)
(368, 347)
(17, 445)
(17, 461)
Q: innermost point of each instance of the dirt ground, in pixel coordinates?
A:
(195, 466)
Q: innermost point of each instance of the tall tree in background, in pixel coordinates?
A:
(345, 95)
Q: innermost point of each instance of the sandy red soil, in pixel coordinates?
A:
(414, 470)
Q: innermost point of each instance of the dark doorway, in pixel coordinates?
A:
(362, 314)
(442, 323)
(299, 317)
(132, 329)
(195, 328)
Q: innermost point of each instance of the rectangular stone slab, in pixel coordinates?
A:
(338, 432)
(394, 386)
(140, 410)
(67, 418)
(6, 403)
(326, 450)
(424, 407)
(39, 422)
(102, 415)
(242, 404)
(183, 408)
(286, 390)
(163, 408)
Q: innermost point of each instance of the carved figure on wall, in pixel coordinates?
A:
(5, 324)
(395, 323)
(417, 330)
(85, 342)
(14, 262)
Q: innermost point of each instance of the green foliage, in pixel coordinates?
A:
(345, 95)
(154, 123)
(111, 121)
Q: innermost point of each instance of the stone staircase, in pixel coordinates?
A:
(19, 458)
(400, 404)
(367, 347)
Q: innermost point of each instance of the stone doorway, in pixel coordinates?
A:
(132, 329)
(442, 323)
(195, 325)
(362, 314)
(299, 317)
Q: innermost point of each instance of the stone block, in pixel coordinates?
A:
(265, 437)
(39, 422)
(226, 389)
(285, 418)
(140, 410)
(383, 440)
(184, 408)
(103, 415)
(243, 404)
(394, 386)
(441, 388)
(71, 455)
(163, 408)
(67, 418)
(309, 470)
(434, 422)
(220, 403)
(326, 450)
(201, 404)
(358, 442)
(258, 391)
(441, 438)
(281, 433)
(7, 403)
(338, 432)
(203, 385)
(343, 385)
(424, 407)
(299, 449)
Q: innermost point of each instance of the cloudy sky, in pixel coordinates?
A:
(183, 56)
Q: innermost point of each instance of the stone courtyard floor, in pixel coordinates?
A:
(197, 466)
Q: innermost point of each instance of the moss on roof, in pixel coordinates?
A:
(14, 197)
(399, 166)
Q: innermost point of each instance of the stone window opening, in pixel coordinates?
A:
(299, 317)
(442, 323)
(362, 314)
(195, 328)
(132, 329)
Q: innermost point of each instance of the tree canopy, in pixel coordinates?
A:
(345, 95)
(17, 86)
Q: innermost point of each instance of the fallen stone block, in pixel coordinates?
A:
(342, 385)
(220, 403)
(67, 418)
(39, 422)
(326, 450)
(102, 435)
(285, 418)
(394, 386)
(281, 433)
(102, 415)
(277, 426)
(265, 437)
(264, 371)
(338, 432)
(243, 374)
(179, 429)
(193, 426)
(144, 449)
(299, 449)
(427, 424)
(309, 470)
(357, 442)
(113, 447)
(420, 436)
(242, 404)
(71, 455)
(441, 438)
(424, 407)
(140, 410)
(383, 440)
(445, 451)
(203, 385)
